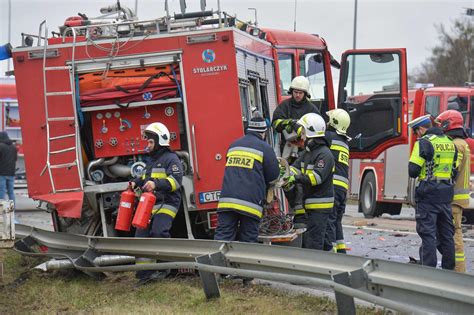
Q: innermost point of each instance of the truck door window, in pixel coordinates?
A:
(370, 90)
(285, 63)
(460, 103)
(312, 67)
(244, 103)
(432, 103)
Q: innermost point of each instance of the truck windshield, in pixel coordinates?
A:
(312, 67)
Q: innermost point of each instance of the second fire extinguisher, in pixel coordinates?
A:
(125, 211)
(143, 212)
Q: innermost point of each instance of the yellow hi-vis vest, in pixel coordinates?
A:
(463, 166)
(441, 166)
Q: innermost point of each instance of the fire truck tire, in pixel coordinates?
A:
(368, 204)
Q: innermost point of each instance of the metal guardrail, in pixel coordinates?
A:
(398, 286)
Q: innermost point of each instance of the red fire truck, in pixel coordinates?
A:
(86, 94)
(382, 184)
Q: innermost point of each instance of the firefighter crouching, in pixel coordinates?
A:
(339, 121)
(251, 169)
(287, 114)
(432, 161)
(451, 122)
(162, 175)
(314, 171)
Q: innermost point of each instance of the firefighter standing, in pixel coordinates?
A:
(314, 170)
(251, 169)
(289, 111)
(162, 175)
(451, 121)
(432, 161)
(339, 121)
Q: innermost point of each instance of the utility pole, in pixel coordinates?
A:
(255, 11)
(9, 28)
(354, 45)
(294, 24)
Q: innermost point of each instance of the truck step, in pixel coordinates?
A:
(63, 150)
(62, 137)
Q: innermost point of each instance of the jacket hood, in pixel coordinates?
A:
(4, 138)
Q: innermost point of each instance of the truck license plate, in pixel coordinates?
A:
(209, 196)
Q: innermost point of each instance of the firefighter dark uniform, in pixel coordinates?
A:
(251, 168)
(432, 161)
(334, 233)
(314, 170)
(165, 170)
(287, 114)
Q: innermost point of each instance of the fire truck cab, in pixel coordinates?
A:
(382, 185)
(86, 95)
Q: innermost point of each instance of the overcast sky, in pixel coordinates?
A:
(380, 23)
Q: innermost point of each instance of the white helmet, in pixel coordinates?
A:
(340, 120)
(300, 83)
(158, 131)
(314, 125)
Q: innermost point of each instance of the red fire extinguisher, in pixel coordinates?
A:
(144, 208)
(125, 211)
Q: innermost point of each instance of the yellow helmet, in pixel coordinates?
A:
(340, 120)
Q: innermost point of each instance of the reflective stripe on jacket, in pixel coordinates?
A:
(340, 150)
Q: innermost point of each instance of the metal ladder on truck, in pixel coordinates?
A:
(50, 121)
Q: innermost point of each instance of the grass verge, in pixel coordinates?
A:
(26, 291)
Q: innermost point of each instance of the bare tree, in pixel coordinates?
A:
(452, 60)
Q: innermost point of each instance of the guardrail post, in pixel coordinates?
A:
(208, 279)
(345, 303)
(87, 260)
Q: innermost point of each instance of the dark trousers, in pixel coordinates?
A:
(434, 225)
(317, 221)
(234, 226)
(334, 231)
(158, 228)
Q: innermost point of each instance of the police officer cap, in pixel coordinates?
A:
(420, 121)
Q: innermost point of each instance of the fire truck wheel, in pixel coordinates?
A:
(367, 199)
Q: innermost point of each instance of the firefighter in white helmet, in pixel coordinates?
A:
(314, 171)
(287, 114)
(162, 175)
(336, 133)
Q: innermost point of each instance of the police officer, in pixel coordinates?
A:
(432, 161)
(451, 122)
(314, 170)
(162, 175)
(289, 111)
(339, 121)
(251, 169)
